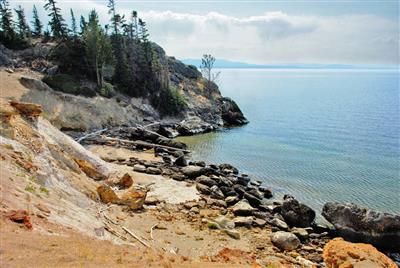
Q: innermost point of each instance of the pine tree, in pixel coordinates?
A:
(57, 23)
(37, 24)
(8, 35)
(111, 11)
(22, 25)
(82, 25)
(135, 24)
(73, 24)
(97, 47)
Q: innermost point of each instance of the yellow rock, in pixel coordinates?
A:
(342, 254)
(89, 170)
(29, 109)
(107, 195)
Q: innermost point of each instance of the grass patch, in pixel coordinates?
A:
(30, 188)
(44, 190)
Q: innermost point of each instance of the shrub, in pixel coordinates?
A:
(68, 84)
(170, 102)
(107, 90)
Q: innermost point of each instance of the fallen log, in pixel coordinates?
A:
(146, 144)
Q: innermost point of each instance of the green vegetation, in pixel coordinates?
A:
(44, 190)
(116, 57)
(68, 84)
(30, 188)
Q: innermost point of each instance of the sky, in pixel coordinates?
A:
(260, 31)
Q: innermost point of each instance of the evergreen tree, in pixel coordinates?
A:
(8, 35)
(22, 25)
(74, 27)
(57, 23)
(97, 47)
(82, 25)
(135, 24)
(114, 19)
(37, 24)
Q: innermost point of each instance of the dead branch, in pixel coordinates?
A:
(92, 134)
(151, 231)
(136, 237)
(146, 144)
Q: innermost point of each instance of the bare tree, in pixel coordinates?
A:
(207, 65)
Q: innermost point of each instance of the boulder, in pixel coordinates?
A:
(133, 199)
(168, 131)
(89, 169)
(285, 240)
(194, 125)
(153, 171)
(193, 171)
(243, 221)
(107, 195)
(126, 181)
(243, 208)
(254, 201)
(231, 200)
(296, 213)
(279, 223)
(229, 167)
(358, 224)
(181, 161)
(20, 216)
(300, 233)
(139, 168)
(224, 223)
(204, 189)
(206, 181)
(267, 192)
(216, 193)
(259, 222)
(339, 253)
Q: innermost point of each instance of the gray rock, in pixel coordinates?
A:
(229, 167)
(266, 191)
(232, 233)
(285, 240)
(279, 223)
(192, 171)
(300, 233)
(206, 181)
(224, 222)
(178, 177)
(358, 224)
(296, 213)
(204, 189)
(139, 168)
(216, 193)
(194, 125)
(231, 113)
(153, 171)
(254, 201)
(231, 200)
(243, 221)
(243, 208)
(259, 222)
(181, 161)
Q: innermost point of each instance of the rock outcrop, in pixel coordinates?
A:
(358, 224)
(340, 254)
(296, 213)
(285, 240)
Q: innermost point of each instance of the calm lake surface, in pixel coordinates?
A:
(320, 135)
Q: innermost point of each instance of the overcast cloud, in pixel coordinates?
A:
(271, 37)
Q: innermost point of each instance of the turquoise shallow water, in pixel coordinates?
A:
(320, 135)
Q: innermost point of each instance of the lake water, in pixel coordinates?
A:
(320, 135)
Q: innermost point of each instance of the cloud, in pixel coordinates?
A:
(271, 37)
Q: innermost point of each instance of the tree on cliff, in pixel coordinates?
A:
(116, 19)
(22, 25)
(82, 25)
(57, 23)
(97, 47)
(74, 28)
(7, 33)
(37, 24)
(206, 67)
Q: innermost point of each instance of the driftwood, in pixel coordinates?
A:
(146, 144)
(92, 134)
(151, 231)
(136, 237)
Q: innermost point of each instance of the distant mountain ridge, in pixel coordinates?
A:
(222, 63)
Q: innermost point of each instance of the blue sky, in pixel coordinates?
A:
(350, 32)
